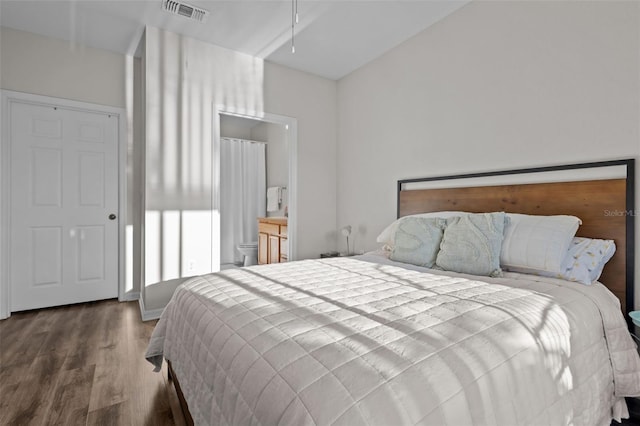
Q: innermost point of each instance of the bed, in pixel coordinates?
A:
(369, 340)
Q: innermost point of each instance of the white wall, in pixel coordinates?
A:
(185, 79)
(496, 85)
(313, 101)
(46, 66)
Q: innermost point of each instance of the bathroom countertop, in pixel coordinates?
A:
(274, 220)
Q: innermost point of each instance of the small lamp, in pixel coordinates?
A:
(346, 231)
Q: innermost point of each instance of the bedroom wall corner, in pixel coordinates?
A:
(313, 101)
(5, 307)
(136, 174)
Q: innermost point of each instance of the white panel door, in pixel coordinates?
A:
(64, 187)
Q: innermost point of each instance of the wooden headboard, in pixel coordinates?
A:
(605, 206)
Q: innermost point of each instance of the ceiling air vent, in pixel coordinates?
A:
(186, 10)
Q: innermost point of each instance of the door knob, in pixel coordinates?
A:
(112, 216)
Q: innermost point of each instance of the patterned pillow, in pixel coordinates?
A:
(388, 234)
(471, 244)
(417, 240)
(585, 260)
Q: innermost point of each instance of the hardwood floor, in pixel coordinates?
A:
(82, 365)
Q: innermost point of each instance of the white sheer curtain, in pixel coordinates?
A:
(243, 194)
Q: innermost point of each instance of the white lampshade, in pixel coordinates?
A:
(346, 231)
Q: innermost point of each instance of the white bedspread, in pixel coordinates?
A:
(345, 341)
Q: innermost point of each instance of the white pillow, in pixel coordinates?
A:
(534, 244)
(387, 236)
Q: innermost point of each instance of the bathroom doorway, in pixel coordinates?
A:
(256, 156)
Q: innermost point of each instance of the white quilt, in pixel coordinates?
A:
(345, 341)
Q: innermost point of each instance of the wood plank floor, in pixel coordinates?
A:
(82, 365)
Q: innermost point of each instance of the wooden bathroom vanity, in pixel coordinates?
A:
(272, 240)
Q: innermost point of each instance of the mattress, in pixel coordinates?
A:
(361, 341)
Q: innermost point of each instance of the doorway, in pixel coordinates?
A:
(61, 210)
(279, 135)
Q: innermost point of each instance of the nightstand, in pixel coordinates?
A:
(335, 254)
(329, 254)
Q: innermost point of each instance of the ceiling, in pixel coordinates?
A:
(332, 38)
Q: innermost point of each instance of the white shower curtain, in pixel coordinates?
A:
(242, 194)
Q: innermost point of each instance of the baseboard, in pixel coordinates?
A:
(129, 296)
(148, 315)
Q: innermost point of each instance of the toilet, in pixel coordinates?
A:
(250, 253)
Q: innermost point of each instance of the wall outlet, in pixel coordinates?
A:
(191, 265)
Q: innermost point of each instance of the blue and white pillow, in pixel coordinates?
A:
(471, 244)
(417, 240)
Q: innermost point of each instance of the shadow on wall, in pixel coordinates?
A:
(177, 244)
(177, 247)
(184, 79)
